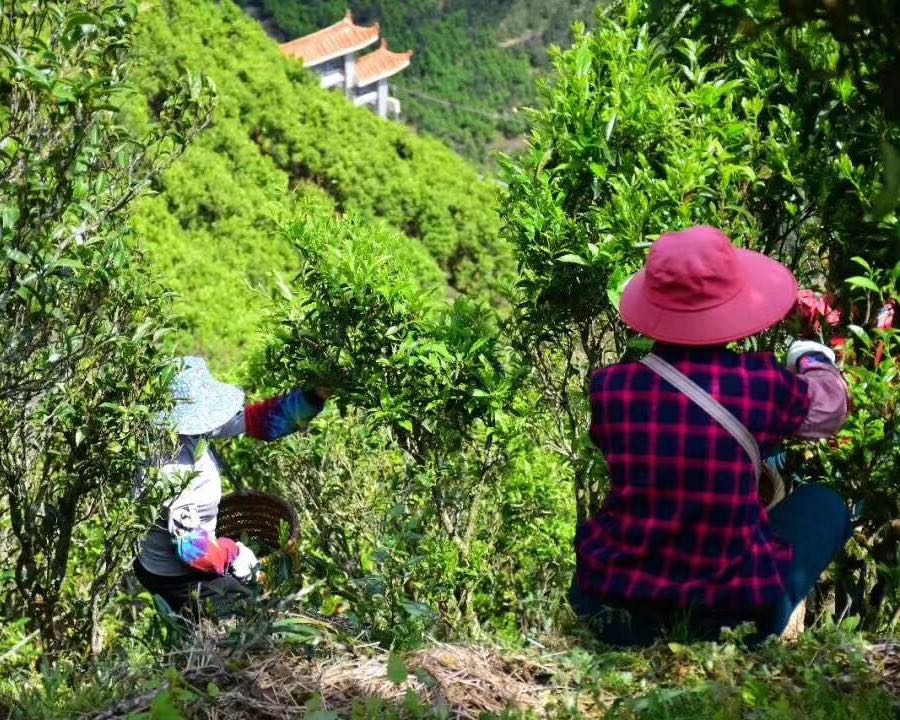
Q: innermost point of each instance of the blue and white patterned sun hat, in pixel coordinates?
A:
(202, 403)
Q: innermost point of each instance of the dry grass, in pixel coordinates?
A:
(465, 680)
(885, 658)
(274, 682)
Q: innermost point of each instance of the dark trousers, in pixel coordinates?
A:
(192, 592)
(813, 519)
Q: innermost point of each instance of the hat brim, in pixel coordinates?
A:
(769, 294)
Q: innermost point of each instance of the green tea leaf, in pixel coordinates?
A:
(863, 282)
(572, 259)
(396, 669)
(17, 256)
(322, 715)
(887, 199)
(163, 708)
(861, 334)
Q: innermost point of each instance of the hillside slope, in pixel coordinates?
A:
(278, 145)
(475, 63)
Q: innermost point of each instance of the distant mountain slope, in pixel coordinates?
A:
(475, 62)
(278, 140)
(533, 26)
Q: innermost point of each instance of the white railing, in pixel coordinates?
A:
(332, 79)
(369, 98)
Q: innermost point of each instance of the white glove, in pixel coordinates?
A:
(245, 564)
(799, 348)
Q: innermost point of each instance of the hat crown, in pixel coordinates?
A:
(694, 269)
(193, 371)
(202, 403)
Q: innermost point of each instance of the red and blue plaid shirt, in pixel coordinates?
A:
(683, 526)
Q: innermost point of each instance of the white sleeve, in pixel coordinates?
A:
(184, 515)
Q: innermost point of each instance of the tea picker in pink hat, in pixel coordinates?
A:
(682, 536)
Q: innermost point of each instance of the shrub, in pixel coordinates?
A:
(81, 369)
(408, 500)
(637, 137)
(433, 378)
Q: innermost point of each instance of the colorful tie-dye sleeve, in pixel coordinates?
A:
(205, 553)
(280, 416)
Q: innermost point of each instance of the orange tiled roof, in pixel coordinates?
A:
(380, 63)
(334, 41)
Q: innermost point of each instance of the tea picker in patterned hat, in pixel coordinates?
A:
(181, 554)
(682, 536)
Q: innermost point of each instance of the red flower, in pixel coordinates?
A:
(839, 345)
(815, 308)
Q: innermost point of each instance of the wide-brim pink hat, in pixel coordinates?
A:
(698, 289)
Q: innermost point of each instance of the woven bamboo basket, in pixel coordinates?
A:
(255, 517)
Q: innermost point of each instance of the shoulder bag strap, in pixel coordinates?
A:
(713, 407)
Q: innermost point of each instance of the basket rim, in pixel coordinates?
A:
(292, 517)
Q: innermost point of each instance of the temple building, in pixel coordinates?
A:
(331, 53)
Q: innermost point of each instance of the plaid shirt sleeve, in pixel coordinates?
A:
(791, 404)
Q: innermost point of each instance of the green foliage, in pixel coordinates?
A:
(433, 380)
(406, 498)
(276, 135)
(396, 669)
(633, 142)
(824, 675)
(837, 138)
(81, 371)
(346, 323)
(536, 26)
(865, 34)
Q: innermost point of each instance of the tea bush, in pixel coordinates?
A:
(412, 494)
(638, 136)
(82, 371)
